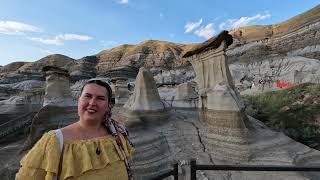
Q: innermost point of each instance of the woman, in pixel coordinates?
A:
(95, 147)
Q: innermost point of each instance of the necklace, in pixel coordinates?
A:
(86, 136)
(98, 151)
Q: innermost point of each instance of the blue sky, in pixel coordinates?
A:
(32, 29)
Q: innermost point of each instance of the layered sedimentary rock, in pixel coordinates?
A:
(145, 103)
(178, 75)
(11, 67)
(143, 111)
(221, 107)
(83, 68)
(20, 103)
(281, 51)
(149, 53)
(297, 36)
(154, 158)
(48, 118)
(121, 91)
(123, 72)
(57, 87)
(186, 96)
(260, 52)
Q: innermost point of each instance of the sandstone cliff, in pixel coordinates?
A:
(298, 35)
(150, 53)
(288, 51)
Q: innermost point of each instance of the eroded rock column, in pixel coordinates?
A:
(145, 112)
(220, 105)
(145, 105)
(57, 91)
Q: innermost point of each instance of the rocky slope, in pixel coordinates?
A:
(149, 53)
(261, 47)
(264, 48)
(288, 51)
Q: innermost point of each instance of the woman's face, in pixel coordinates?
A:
(93, 103)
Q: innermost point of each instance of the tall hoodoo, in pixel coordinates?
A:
(57, 91)
(221, 106)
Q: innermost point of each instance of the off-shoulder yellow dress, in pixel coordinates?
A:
(80, 159)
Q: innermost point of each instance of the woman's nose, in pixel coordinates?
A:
(93, 101)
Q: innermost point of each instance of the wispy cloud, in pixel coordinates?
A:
(205, 31)
(190, 26)
(123, 1)
(243, 21)
(61, 38)
(71, 37)
(16, 28)
(53, 41)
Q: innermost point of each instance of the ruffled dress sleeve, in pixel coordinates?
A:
(42, 161)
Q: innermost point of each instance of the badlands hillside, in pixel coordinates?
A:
(34, 97)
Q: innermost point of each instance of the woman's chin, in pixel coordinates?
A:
(91, 117)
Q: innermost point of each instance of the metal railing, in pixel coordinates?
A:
(174, 172)
(194, 167)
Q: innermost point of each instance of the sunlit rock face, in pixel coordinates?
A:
(288, 51)
(143, 113)
(57, 87)
(221, 106)
(145, 103)
(185, 96)
(216, 135)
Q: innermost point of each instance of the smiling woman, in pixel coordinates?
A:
(95, 147)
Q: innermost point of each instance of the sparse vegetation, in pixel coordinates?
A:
(294, 111)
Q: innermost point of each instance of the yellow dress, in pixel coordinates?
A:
(80, 160)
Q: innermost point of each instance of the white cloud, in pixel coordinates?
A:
(61, 38)
(16, 28)
(205, 31)
(190, 26)
(123, 1)
(243, 21)
(54, 41)
(70, 37)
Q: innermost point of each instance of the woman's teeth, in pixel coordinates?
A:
(91, 110)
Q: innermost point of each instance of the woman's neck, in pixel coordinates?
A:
(96, 128)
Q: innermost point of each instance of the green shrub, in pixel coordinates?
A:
(286, 111)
